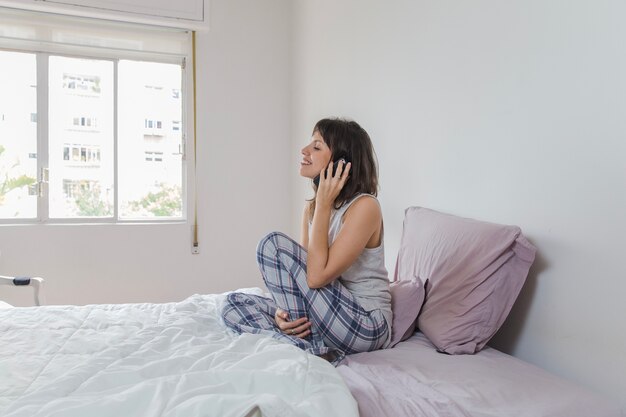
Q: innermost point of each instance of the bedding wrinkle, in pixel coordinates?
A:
(167, 360)
(83, 321)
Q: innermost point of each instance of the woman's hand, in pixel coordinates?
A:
(299, 328)
(330, 185)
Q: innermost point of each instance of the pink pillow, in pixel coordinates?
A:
(406, 300)
(472, 272)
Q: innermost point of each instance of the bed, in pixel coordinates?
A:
(413, 379)
(173, 359)
(454, 284)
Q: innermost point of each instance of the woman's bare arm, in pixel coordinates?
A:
(325, 262)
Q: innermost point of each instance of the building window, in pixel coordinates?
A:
(74, 188)
(84, 122)
(153, 156)
(153, 127)
(80, 83)
(84, 154)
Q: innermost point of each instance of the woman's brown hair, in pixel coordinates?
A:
(346, 139)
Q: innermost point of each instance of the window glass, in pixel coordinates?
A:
(101, 139)
(81, 138)
(18, 135)
(150, 150)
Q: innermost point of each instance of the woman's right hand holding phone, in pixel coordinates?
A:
(331, 182)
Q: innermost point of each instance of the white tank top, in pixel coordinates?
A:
(367, 277)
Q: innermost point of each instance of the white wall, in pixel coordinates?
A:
(243, 135)
(510, 112)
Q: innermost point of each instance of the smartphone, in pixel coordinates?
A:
(316, 180)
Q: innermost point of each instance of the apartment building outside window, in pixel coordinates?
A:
(82, 140)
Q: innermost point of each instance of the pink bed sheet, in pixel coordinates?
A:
(414, 380)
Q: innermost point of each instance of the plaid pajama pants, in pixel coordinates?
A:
(339, 325)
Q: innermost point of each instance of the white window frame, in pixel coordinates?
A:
(44, 48)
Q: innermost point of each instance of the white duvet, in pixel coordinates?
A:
(174, 359)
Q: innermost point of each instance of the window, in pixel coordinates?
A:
(154, 156)
(100, 112)
(86, 154)
(85, 123)
(82, 84)
(153, 127)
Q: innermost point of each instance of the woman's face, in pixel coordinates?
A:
(315, 157)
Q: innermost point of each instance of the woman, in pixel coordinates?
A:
(331, 292)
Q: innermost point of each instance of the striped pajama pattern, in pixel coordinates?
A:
(339, 325)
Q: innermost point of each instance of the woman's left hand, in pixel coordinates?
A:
(297, 328)
(330, 185)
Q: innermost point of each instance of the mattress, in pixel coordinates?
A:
(413, 379)
(174, 359)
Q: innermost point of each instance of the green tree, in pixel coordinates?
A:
(8, 183)
(89, 202)
(167, 202)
